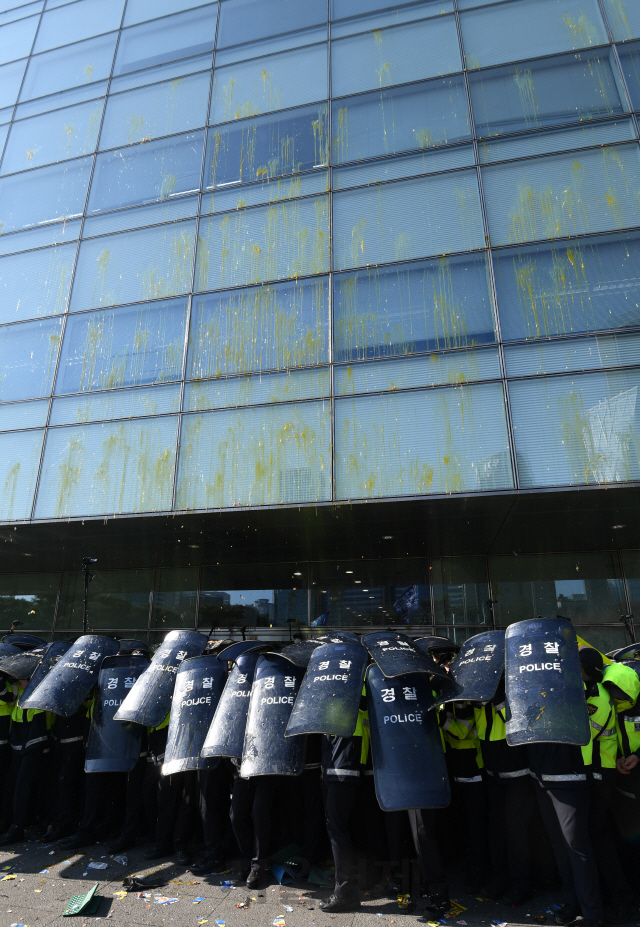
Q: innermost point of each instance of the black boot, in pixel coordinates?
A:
(256, 878)
(335, 905)
(158, 853)
(78, 841)
(13, 835)
(206, 866)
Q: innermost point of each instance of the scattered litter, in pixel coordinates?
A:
(378, 914)
(7, 868)
(123, 860)
(288, 908)
(163, 899)
(462, 923)
(120, 894)
(279, 921)
(203, 920)
(7, 877)
(44, 872)
(37, 889)
(228, 883)
(52, 852)
(194, 883)
(220, 923)
(83, 904)
(498, 924)
(197, 900)
(97, 865)
(433, 923)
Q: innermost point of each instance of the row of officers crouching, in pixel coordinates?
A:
(515, 758)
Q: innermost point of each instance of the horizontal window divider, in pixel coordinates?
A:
(525, 61)
(573, 336)
(257, 374)
(338, 397)
(422, 176)
(539, 131)
(438, 352)
(256, 184)
(400, 6)
(273, 35)
(565, 238)
(571, 373)
(118, 418)
(270, 282)
(326, 101)
(412, 22)
(282, 51)
(151, 141)
(139, 228)
(555, 154)
(416, 260)
(157, 19)
(161, 65)
(156, 83)
(244, 209)
(390, 158)
(98, 35)
(70, 45)
(30, 170)
(114, 389)
(252, 405)
(57, 109)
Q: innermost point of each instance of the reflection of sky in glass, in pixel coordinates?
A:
(570, 587)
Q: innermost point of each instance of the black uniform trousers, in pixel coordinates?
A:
(604, 842)
(511, 807)
(341, 799)
(134, 816)
(23, 774)
(69, 772)
(252, 805)
(102, 800)
(565, 812)
(177, 803)
(424, 825)
(214, 787)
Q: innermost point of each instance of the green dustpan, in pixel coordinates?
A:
(83, 904)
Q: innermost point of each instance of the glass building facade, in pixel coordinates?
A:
(355, 256)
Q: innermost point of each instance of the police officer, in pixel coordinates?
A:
(6, 707)
(603, 754)
(29, 737)
(511, 804)
(343, 763)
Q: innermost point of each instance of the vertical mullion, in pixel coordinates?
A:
(616, 56)
(332, 429)
(151, 596)
(187, 328)
(75, 265)
(489, 257)
(56, 607)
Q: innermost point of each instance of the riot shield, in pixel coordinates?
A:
(476, 671)
(51, 655)
(330, 693)
(21, 665)
(266, 751)
(149, 702)
(225, 736)
(199, 685)
(127, 645)
(396, 654)
(8, 650)
(337, 637)
(68, 683)
(231, 654)
(630, 652)
(24, 641)
(408, 760)
(437, 645)
(544, 688)
(114, 746)
(299, 653)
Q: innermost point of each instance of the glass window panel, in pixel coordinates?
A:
(226, 602)
(278, 43)
(247, 20)
(525, 96)
(392, 17)
(120, 403)
(37, 238)
(528, 29)
(460, 591)
(59, 100)
(140, 216)
(582, 587)
(179, 36)
(407, 219)
(107, 468)
(563, 195)
(128, 346)
(605, 639)
(72, 66)
(161, 109)
(266, 147)
(78, 21)
(570, 354)
(174, 599)
(20, 11)
(577, 430)
(19, 460)
(6, 114)
(16, 38)
(35, 283)
(631, 566)
(472, 4)
(390, 121)
(588, 284)
(138, 11)
(266, 84)
(24, 414)
(410, 308)
(160, 73)
(28, 355)
(255, 390)
(118, 599)
(426, 162)
(262, 455)
(48, 194)
(630, 61)
(270, 191)
(536, 143)
(146, 264)
(3, 135)
(422, 442)
(144, 173)
(432, 370)
(624, 19)
(373, 592)
(29, 598)
(10, 79)
(394, 56)
(260, 328)
(57, 136)
(290, 239)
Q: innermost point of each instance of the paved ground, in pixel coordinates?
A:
(45, 879)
